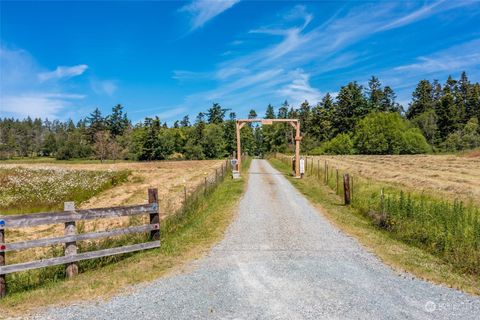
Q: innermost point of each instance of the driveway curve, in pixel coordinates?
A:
(281, 259)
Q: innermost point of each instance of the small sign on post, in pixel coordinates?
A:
(302, 167)
(234, 162)
(235, 172)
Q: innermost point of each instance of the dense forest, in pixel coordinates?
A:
(358, 120)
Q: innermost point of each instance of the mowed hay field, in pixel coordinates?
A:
(456, 177)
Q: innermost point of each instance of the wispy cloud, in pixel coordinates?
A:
(201, 11)
(427, 11)
(25, 91)
(453, 59)
(63, 72)
(102, 87)
(298, 49)
(41, 105)
(300, 89)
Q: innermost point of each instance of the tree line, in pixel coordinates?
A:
(364, 120)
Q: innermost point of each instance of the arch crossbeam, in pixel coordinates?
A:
(295, 123)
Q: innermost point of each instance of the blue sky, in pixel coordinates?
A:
(62, 59)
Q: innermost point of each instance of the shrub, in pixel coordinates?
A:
(388, 133)
(467, 138)
(341, 144)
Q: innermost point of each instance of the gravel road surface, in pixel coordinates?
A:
(281, 259)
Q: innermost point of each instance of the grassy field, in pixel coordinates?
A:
(407, 246)
(184, 236)
(430, 201)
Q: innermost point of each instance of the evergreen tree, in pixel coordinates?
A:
(422, 99)
(351, 107)
(387, 103)
(374, 93)
(270, 113)
(117, 122)
(283, 111)
(95, 123)
(216, 114)
(447, 113)
(185, 122)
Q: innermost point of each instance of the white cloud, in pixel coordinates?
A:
(201, 11)
(108, 87)
(298, 51)
(185, 75)
(24, 93)
(63, 72)
(299, 89)
(41, 105)
(454, 59)
(425, 12)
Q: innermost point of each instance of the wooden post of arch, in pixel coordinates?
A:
(295, 123)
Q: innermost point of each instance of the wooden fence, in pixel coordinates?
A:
(70, 217)
(322, 171)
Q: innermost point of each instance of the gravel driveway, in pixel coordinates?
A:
(281, 259)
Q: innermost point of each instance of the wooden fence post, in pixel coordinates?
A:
(337, 186)
(318, 169)
(154, 217)
(351, 188)
(382, 205)
(71, 269)
(326, 173)
(216, 176)
(3, 282)
(346, 188)
(205, 187)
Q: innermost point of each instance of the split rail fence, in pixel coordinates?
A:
(70, 217)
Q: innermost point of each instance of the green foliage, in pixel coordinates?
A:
(216, 114)
(441, 112)
(388, 133)
(427, 123)
(467, 138)
(213, 143)
(351, 106)
(422, 99)
(341, 144)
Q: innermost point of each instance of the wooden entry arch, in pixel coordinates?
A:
(295, 123)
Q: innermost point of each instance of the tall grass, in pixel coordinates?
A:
(25, 190)
(175, 223)
(447, 229)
